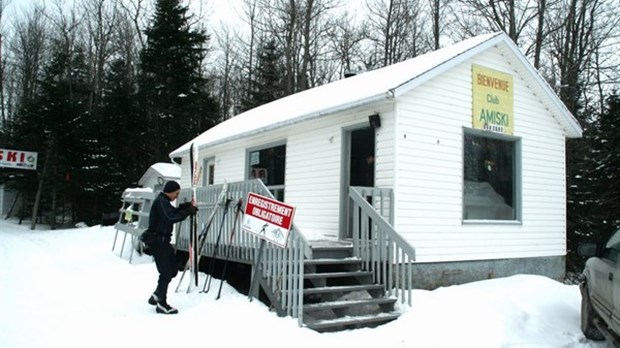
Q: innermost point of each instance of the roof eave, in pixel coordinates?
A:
(184, 150)
(447, 65)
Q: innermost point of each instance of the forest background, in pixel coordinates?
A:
(103, 89)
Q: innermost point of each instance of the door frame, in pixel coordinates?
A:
(345, 175)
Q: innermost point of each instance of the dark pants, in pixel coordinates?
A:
(166, 262)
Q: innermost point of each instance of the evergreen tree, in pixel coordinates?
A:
(581, 194)
(172, 88)
(607, 144)
(593, 189)
(82, 153)
(119, 133)
(53, 124)
(267, 85)
(19, 135)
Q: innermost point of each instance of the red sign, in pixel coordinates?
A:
(18, 159)
(268, 218)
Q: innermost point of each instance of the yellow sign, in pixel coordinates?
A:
(492, 92)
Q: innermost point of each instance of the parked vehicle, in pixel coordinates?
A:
(600, 290)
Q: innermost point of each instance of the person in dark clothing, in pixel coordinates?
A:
(162, 217)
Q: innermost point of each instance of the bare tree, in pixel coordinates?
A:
(251, 14)
(27, 49)
(540, 32)
(396, 26)
(345, 39)
(137, 9)
(65, 24)
(301, 28)
(585, 28)
(302, 82)
(2, 65)
(435, 10)
(510, 16)
(228, 62)
(100, 20)
(126, 43)
(288, 12)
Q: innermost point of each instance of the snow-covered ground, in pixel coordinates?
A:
(67, 288)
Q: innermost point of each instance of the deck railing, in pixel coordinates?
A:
(280, 269)
(381, 249)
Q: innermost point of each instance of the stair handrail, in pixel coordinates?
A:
(382, 250)
(281, 269)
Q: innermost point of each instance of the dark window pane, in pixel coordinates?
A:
(269, 166)
(489, 178)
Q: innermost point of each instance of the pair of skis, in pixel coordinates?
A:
(195, 170)
(194, 249)
(222, 201)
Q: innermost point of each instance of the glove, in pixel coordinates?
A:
(191, 210)
(184, 206)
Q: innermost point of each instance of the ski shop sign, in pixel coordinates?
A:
(269, 219)
(18, 159)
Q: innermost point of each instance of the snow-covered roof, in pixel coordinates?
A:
(373, 86)
(167, 171)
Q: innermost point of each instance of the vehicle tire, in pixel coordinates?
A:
(587, 317)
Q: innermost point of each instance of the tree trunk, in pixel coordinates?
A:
(37, 200)
(542, 4)
(435, 8)
(10, 212)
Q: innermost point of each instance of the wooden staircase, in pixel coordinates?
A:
(339, 295)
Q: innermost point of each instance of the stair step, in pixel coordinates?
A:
(360, 321)
(348, 303)
(337, 250)
(320, 262)
(346, 288)
(336, 274)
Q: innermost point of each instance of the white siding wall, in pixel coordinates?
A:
(313, 162)
(185, 180)
(429, 167)
(313, 165)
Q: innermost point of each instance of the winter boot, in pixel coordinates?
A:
(153, 300)
(164, 308)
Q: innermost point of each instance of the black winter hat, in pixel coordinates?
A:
(171, 186)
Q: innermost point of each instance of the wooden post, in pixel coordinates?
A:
(254, 284)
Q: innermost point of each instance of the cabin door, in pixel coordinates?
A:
(358, 169)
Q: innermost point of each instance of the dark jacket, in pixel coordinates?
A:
(163, 215)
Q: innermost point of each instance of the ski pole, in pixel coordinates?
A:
(207, 284)
(188, 262)
(205, 238)
(238, 212)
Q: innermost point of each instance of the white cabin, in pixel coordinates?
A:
(156, 176)
(470, 138)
